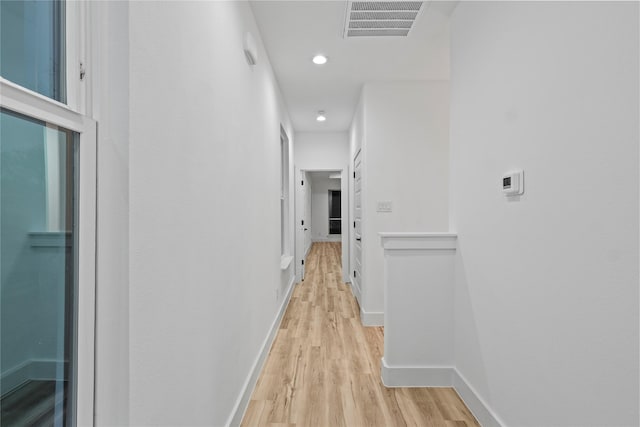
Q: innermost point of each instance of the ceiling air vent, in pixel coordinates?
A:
(381, 18)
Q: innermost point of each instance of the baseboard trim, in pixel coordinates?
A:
(416, 376)
(478, 407)
(371, 318)
(441, 376)
(245, 395)
(32, 369)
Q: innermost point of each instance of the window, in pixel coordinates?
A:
(47, 220)
(37, 255)
(335, 209)
(33, 51)
(284, 194)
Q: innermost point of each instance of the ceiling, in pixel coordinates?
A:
(294, 31)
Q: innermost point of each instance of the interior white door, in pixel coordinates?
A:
(308, 189)
(344, 186)
(301, 223)
(357, 222)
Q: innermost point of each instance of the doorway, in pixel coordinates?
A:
(321, 214)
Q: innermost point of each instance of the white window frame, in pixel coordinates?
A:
(69, 116)
(76, 47)
(285, 216)
(284, 186)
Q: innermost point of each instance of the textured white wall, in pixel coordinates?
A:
(406, 158)
(109, 79)
(205, 209)
(547, 285)
(321, 150)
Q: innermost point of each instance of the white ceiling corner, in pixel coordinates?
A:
(294, 31)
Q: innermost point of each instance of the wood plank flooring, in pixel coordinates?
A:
(324, 366)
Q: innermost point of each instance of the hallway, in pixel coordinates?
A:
(324, 366)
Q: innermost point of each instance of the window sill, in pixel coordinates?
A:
(285, 261)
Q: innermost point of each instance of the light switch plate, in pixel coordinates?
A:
(385, 206)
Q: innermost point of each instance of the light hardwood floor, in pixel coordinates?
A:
(324, 366)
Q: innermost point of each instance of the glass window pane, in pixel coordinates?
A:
(37, 272)
(32, 45)
(334, 204)
(335, 226)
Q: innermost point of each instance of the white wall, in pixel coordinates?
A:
(205, 215)
(321, 150)
(406, 155)
(321, 184)
(108, 82)
(547, 284)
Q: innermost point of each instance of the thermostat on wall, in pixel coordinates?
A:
(513, 183)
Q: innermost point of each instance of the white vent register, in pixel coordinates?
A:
(381, 18)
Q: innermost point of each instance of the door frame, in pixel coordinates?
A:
(344, 205)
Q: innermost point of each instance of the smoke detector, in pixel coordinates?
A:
(381, 18)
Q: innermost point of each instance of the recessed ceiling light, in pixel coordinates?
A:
(321, 117)
(319, 60)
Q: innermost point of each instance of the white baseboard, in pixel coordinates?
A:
(368, 318)
(32, 369)
(478, 407)
(441, 376)
(371, 318)
(245, 395)
(416, 376)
